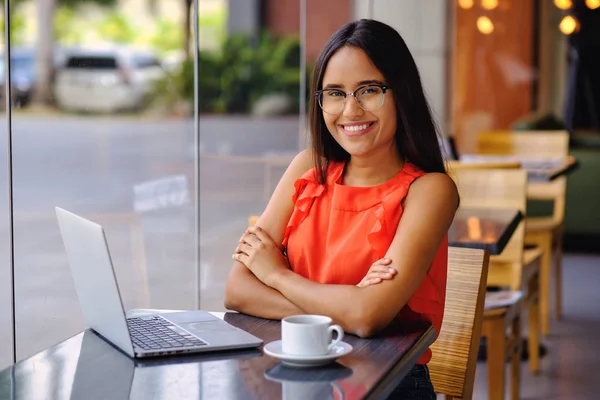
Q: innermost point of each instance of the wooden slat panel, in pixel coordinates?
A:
(454, 357)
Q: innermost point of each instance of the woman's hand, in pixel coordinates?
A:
(379, 271)
(260, 254)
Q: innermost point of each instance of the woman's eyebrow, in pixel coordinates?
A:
(361, 83)
(371, 82)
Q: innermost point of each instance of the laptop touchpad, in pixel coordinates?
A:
(203, 328)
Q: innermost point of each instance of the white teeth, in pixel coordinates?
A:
(356, 128)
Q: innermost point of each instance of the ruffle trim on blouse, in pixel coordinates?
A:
(427, 299)
(430, 296)
(305, 193)
(379, 237)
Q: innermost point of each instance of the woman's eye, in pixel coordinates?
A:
(371, 90)
(335, 93)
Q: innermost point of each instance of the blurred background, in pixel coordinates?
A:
(106, 123)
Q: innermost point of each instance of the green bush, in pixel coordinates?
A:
(244, 70)
(248, 68)
(175, 87)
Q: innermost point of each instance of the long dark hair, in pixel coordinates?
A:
(416, 134)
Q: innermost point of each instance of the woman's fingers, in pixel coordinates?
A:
(379, 270)
(260, 234)
(369, 282)
(241, 257)
(382, 261)
(251, 239)
(243, 248)
(380, 275)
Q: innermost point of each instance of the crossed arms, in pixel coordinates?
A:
(261, 283)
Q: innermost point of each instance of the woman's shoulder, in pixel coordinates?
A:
(435, 181)
(434, 184)
(303, 167)
(302, 164)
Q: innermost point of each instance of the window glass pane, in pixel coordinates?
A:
(103, 128)
(494, 69)
(249, 96)
(5, 281)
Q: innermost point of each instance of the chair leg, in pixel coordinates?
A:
(545, 244)
(515, 361)
(558, 275)
(533, 343)
(496, 357)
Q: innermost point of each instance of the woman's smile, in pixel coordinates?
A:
(357, 128)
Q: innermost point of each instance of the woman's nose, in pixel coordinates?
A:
(351, 108)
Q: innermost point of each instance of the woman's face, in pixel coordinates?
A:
(360, 132)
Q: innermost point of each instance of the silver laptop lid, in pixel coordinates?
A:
(94, 278)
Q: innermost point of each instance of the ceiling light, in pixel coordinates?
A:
(466, 4)
(485, 25)
(569, 25)
(489, 4)
(592, 4)
(563, 4)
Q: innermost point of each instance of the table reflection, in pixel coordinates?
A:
(303, 384)
(483, 228)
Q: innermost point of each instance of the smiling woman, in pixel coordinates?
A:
(357, 227)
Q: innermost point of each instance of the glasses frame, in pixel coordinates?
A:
(318, 93)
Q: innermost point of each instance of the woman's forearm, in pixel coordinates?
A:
(347, 305)
(245, 293)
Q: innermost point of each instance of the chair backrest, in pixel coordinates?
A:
(453, 165)
(454, 353)
(524, 143)
(497, 188)
(552, 144)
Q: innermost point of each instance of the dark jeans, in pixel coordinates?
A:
(416, 385)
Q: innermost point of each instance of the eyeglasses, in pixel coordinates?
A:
(369, 98)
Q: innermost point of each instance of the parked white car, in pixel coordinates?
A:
(106, 80)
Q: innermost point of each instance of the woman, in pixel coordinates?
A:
(357, 227)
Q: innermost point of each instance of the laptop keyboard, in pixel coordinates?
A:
(156, 333)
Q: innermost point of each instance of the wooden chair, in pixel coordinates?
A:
(515, 268)
(544, 232)
(454, 353)
(453, 165)
(546, 144)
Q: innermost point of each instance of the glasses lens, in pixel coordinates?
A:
(332, 101)
(370, 97)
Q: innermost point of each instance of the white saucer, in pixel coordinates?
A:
(273, 349)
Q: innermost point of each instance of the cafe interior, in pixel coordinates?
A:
(514, 86)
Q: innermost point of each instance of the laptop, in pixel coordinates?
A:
(152, 335)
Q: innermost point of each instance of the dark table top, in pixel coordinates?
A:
(483, 228)
(87, 367)
(538, 169)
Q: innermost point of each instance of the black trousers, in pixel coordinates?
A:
(416, 385)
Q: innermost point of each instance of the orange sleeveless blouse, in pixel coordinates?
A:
(337, 232)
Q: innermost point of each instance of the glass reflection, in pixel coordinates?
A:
(310, 383)
(5, 281)
(249, 95)
(106, 132)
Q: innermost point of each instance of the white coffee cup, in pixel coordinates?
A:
(309, 335)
